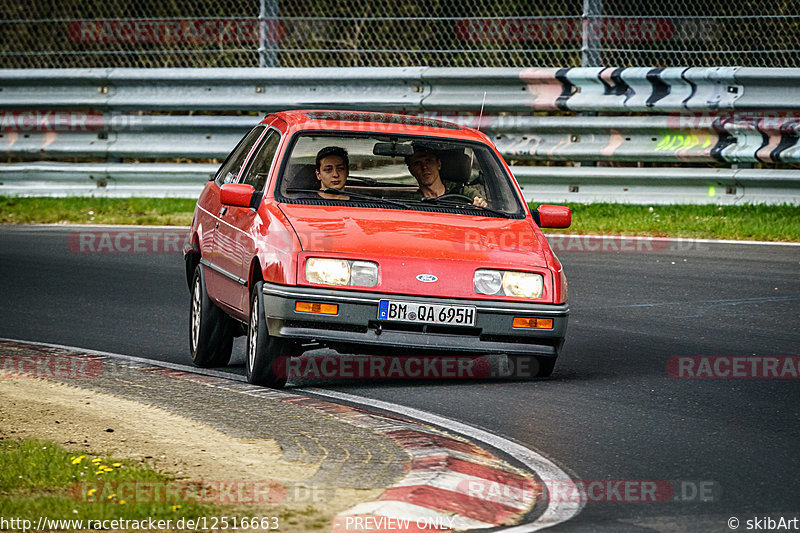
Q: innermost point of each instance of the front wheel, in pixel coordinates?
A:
(266, 355)
(530, 366)
(210, 329)
(546, 366)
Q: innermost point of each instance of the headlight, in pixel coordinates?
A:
(363, 274)
(327, 271)
(507, 283)
(522, 284)
(488, 281)
(341, 272)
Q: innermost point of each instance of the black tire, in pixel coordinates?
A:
(527, 367)
(266, 355)
(210, 329)
(546, 366)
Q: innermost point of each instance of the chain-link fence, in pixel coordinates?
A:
(447, 33)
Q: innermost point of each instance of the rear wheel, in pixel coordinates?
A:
(266, 355)
(210, 329)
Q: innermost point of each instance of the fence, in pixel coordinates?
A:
(384, 33)
(724, 118)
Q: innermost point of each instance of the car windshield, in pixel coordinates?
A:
(398, 172)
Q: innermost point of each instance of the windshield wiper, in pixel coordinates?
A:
(452, 203)
(339, 192)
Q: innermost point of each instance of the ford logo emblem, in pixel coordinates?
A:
(427, 278)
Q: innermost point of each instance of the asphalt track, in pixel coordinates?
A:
(611, 412)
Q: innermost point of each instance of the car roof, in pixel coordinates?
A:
(366, 121)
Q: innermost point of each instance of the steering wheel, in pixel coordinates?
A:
(455, 196)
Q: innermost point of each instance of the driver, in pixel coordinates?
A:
(424, 164)
(332, 170)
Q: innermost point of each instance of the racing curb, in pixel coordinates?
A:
(450, 482)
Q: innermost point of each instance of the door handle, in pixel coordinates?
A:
(223, 211)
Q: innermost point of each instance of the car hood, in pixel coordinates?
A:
(423, 235)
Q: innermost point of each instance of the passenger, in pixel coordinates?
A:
(425, 165)
(332, 169)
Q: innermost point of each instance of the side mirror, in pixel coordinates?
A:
(554, 216)
(237, 194)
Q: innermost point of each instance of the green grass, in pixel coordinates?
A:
(40, 478)
(140, 211)
(741, 222)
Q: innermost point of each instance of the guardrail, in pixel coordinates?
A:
(658, 185)
(115, 180)
(685, 138)
(738, 116)
(412, 88)
(539, 183)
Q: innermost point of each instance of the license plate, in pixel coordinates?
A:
(423, 313)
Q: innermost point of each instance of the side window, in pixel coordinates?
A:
(229, 170)
(258, 172)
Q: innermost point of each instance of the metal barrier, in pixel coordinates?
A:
(542, 184)
(685, 138)
(115, 180)
(658, 185)
(731, 115)
(411, 88)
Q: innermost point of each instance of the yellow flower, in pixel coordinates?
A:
(117, 465)
(100, 472)
(176, 507)
(91, 491)
(107, 469)
(111, 496)
(97, 460)
(77, 460)
(122, 502)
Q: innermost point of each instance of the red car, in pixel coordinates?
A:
(370, 233)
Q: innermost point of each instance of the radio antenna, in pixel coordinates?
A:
(480, 116)
(480, 120)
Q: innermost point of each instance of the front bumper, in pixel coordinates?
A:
(356, 328)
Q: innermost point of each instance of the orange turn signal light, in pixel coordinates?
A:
(533, 323)
(318, 308)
